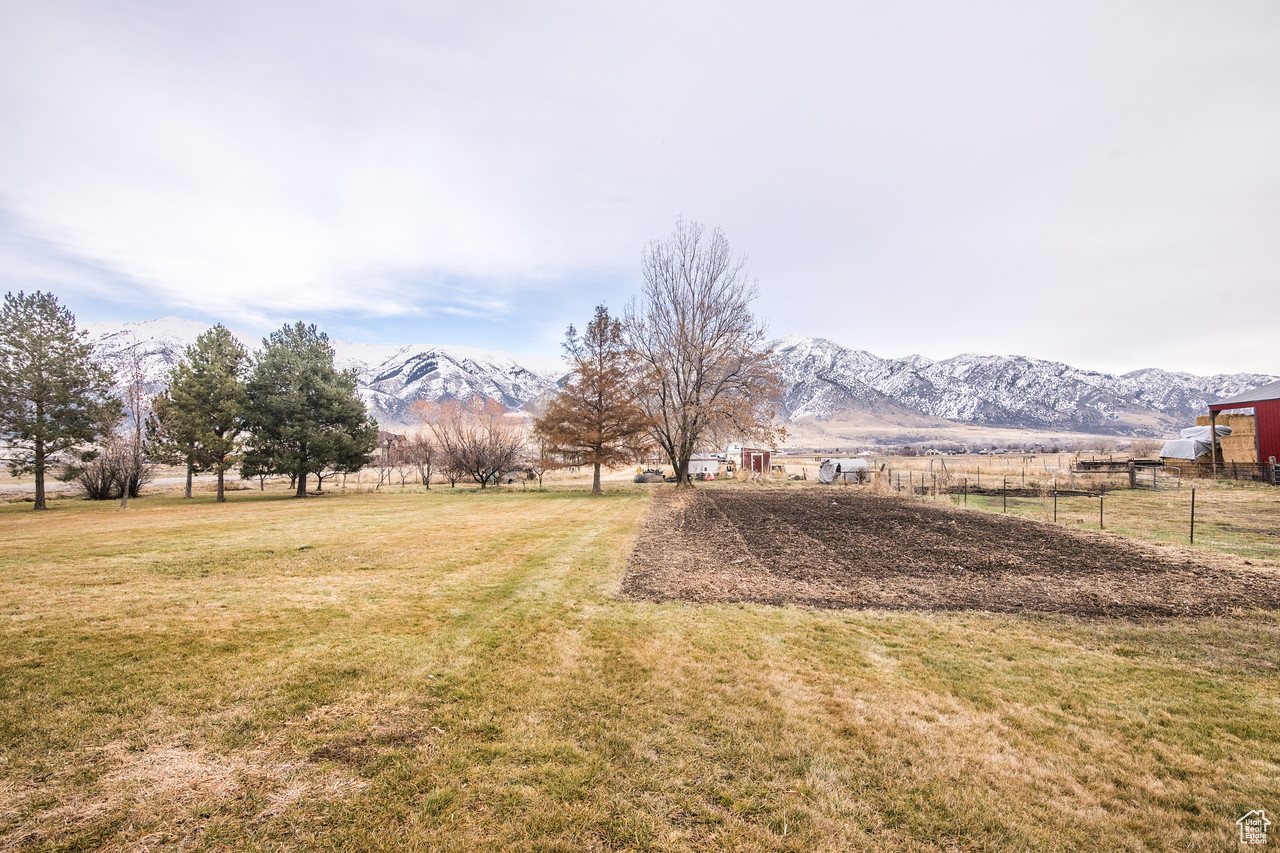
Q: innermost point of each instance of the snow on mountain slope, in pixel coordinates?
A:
(823, 380)
(391, 378)
(158, 346)
(436, 372)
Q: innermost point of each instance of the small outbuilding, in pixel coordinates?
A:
(704, 464)
(844, 471)
(755, 461)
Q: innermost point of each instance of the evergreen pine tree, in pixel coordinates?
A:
(169, 440)
(207, 400)
(51, 390)
(255, 463)
(303, 414)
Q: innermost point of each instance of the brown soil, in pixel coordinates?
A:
(842, 547)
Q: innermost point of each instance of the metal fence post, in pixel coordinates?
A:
(1055, 500)
(1193, 515)
(1004, 493)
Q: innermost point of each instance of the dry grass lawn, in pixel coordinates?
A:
(454, 671)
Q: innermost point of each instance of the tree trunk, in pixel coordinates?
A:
(595, 481)
(682, 474)
(222, 498)
(40, 504)
(190, 468)
(302, 484)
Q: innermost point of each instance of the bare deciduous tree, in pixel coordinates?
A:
(421, 452)
(114, 465)
(1145, 447)
(404, 463)
(137, 469)
(703, 369)
(387, 455)
(443, 420)
(474, 438)
(103, 474)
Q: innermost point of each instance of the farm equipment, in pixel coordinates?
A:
(650, 475)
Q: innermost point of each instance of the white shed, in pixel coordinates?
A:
(704, 464)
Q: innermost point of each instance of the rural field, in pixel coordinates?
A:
(778, 668)
(1232, 517)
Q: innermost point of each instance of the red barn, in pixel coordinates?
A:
(1265, 402)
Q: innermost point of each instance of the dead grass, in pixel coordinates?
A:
(454, 671)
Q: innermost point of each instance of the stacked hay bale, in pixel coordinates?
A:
(1241, 446)
(1201, 467)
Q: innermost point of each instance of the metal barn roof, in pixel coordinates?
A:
(1270, 391)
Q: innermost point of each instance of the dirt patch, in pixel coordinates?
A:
(826, 547)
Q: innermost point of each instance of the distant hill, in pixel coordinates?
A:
(824, 380)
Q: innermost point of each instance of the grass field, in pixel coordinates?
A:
(454, 671)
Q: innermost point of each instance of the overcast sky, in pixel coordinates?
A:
(1097, 183)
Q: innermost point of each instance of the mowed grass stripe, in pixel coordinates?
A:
(453, 672)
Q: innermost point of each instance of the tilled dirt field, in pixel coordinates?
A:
(839, 547)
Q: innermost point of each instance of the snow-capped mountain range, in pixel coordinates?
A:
(824, 381)
(391, 378)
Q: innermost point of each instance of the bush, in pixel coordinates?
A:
(104, 474)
